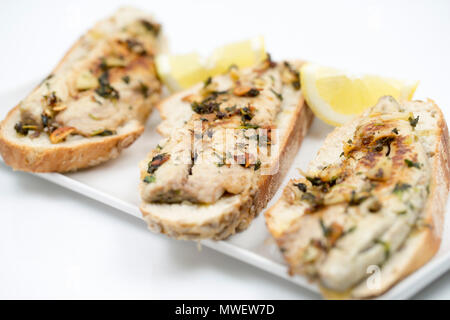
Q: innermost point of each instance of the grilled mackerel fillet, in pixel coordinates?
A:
(192, 186)
(374, 196)
(93, 104)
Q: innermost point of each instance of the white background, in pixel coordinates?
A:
(58, 244)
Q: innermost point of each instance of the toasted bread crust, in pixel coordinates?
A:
(297, 131)
(62, 158)
(239, 219)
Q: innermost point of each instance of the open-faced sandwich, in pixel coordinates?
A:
(370, 208)
(229, 143)
(93, 104)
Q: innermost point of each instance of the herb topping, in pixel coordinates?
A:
(105, 90)
(413, 121)
(157, 161)
(411, 164)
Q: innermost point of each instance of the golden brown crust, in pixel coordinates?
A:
(240, 218)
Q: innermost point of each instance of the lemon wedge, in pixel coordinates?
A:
(336, 97)
(182, 71)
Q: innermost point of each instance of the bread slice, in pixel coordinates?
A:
(346, 251)
(94, 103)
(231, 212)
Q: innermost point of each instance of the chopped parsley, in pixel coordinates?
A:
(252, 93)
(207, 82)
(326, 231)
(246, 114)
(278, 95)
(126, 79)
(386, 247)
(356, 200)
(301, 186)
(309, 197)
(136, 47)
(103, 133)
(143, 88)
(151, 27)
(413, 121)
(51, 100)
(295, 75)
(257, 165)
(400, 188)
(382, 142)
(105, 90)
(149, 179)
(157, 161)
(230, 109)
(245, 126)
(205, 107)
(21, 128)
(315, 181)
(411, 164)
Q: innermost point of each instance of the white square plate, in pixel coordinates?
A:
(116, 184)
